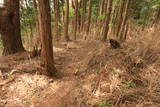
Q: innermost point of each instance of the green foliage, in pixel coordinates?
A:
(103, 104)
(71, 12)
(27, 16)
(80, 10)
(129, 84)
(95, 9)
(155, 4)
(141, 10)
(100, 17)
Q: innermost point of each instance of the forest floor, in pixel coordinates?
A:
(92, 75)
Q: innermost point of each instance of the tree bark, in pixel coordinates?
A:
(125, 33)
(105, 28)
(76, 19)
(79, 18)
(56, 19)
(102, 7)
(120, 18)
(37, 43)
(66, 23)
(10, 27)
(89, 16)
(46, 38)
(105, 6)
(115, 16)
(83, 14)
(125, 16)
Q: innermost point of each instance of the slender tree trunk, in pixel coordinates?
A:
(105, 6)
(46, 38)
(89, 16)
(66, 37)
(63, 12)
(76, 19)
(83, 14)
(79, 18)
(56, 19)
(125, 32)
(102, 7)
(115, 16)
(125, 16)
(105, 28)
(120, 18)
(10, 27)
(37, 42)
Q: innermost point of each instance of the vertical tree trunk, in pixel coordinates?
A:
(56, 19)
(125, 33)
(89, 16)
(46, 38)
(66, 37)
(10, 27)
(83, 14)
(37, 42)
(76, 19)
(63, 12)
(102, 7)
(105, 6)
(79, 18)
(105, 28)
(115, 16)
(120, 18)
(121, 36)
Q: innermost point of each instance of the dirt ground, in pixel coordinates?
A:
(92, 75)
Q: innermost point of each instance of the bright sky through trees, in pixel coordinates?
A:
(1, 1)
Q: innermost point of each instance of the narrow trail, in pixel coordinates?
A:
(52, 93)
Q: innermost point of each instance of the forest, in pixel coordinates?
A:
(79, 53)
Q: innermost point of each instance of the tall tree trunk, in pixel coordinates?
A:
(46, 38)
(56, 19)
(102, 7)
(115, 16)
(66, 37)
(76, 19)
(125, 16)
(37, 42)
(89, 16)
(125, 33)
(105, 6)
(105, 28)
(10, 27)
(83, 14)
(120, 18)
(63, 12)
(79, 18)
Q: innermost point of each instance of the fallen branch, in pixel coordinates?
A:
(7, 81)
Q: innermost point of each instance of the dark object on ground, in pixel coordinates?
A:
(114, 44)
(36, 52)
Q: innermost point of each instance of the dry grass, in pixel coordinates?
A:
(127, 77)
(96, 74)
